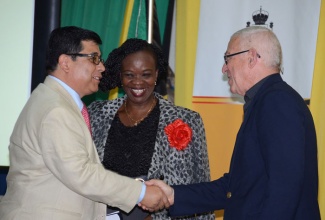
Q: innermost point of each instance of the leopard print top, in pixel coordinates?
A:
(190, 165)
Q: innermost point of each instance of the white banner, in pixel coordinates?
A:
(295, 22)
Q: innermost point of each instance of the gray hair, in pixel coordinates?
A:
(264, 41)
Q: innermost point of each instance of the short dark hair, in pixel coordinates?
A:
(65, 40)
(111, 77)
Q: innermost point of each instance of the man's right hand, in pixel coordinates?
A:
(167, 191)
(154, 199)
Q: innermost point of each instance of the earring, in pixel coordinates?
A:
(155, 83)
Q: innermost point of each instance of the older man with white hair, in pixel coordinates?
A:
(273, 172)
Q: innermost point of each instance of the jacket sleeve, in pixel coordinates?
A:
(199, 197)
(70, 155)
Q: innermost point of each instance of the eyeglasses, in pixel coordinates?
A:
(94, 57)
(225, 57)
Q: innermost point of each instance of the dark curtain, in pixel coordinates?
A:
(46, 18)
(162, 25)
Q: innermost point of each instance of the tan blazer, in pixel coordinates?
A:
(55, 172)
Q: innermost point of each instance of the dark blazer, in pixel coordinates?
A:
(273, 171)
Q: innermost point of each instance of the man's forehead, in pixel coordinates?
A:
(232, 45)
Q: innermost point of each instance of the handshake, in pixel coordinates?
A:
(158, 196)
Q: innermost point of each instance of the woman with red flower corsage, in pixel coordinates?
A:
(142, 134)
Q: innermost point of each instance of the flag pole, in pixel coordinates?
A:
(150, 20)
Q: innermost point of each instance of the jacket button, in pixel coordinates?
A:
(161, 177)
(228, 195)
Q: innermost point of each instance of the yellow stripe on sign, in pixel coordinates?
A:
(187, 26)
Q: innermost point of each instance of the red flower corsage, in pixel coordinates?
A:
(179, 134)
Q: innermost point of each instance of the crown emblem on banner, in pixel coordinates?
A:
(260, 17)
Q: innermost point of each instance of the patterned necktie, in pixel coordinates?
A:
(85, 114)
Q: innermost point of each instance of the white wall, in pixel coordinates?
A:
(16, 43)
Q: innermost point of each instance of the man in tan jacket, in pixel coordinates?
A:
(55, 172)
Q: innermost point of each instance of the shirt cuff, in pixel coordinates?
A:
(143, 192)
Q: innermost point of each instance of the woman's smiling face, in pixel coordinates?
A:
(138, 76)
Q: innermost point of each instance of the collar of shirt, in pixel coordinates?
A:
(250, 94)
(73, 93)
